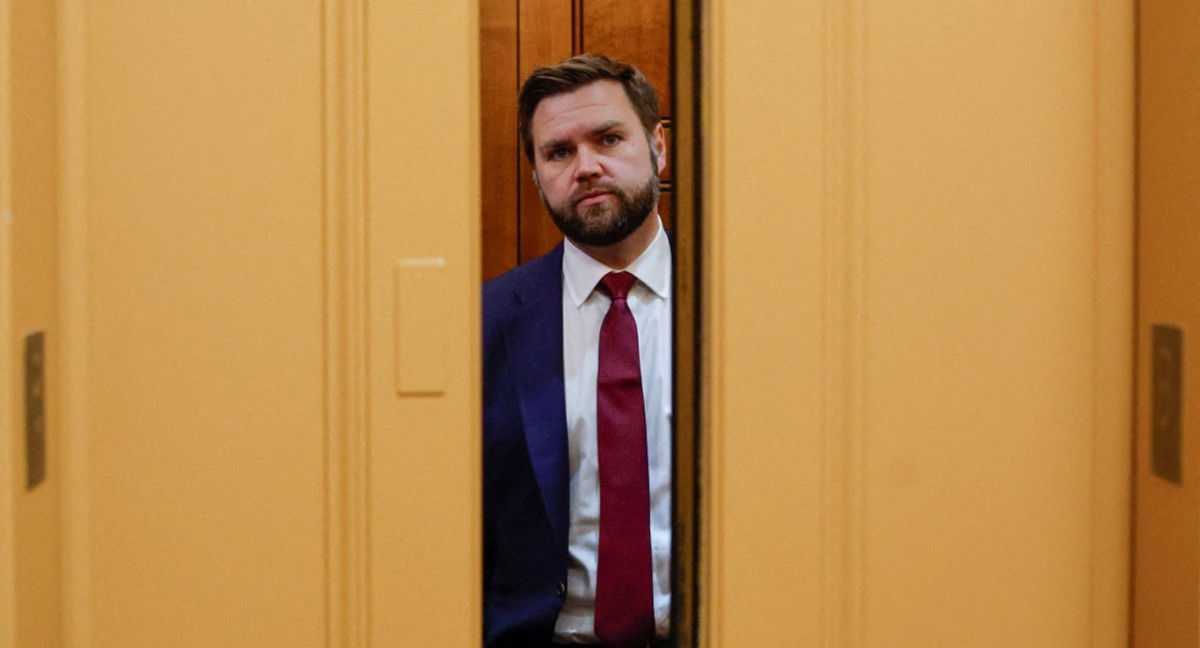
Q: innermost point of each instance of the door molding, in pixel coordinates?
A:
(347, 352)
(74, 312)
(8, 432)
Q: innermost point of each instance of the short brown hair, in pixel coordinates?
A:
(577, 72)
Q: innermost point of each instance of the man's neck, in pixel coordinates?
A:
(619, 255)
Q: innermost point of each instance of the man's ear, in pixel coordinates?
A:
(659, 142)
(537, 183)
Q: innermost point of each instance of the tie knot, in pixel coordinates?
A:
(617, 284)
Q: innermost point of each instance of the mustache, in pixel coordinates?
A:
(607, 187)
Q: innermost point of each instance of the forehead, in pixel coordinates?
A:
(582, 109)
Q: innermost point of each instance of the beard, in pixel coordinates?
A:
(600, 225)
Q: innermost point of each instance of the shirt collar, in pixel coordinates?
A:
(581, 272)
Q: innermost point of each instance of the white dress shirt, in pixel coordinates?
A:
(583, 311)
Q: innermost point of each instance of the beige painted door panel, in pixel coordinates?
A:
(232, 461)
(918, 310)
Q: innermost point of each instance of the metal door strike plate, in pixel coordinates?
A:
(35, 409)
(1167, 410)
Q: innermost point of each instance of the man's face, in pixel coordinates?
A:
(593, 165)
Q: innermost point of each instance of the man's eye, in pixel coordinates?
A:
(556, 154)
(612, 139)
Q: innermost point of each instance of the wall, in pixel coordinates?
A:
(919, 242)
(1166, 598)
(30, 243)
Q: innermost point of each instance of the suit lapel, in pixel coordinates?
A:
(534, 341)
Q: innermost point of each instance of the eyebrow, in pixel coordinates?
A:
(607, 126)
(604, 127)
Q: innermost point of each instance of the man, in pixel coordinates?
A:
(577, 377)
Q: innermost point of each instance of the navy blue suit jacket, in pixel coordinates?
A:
(525, 464)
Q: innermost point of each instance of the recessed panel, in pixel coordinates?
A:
(35, 409)
(1168, 403)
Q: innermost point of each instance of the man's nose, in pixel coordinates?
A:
(587, 164)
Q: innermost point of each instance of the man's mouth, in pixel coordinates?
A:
(593, 198)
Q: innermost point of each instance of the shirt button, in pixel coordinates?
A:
(562, 589)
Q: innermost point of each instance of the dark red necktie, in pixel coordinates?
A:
(624, 593)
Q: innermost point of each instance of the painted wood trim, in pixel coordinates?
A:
(8, 427)
(74, 317)
(545, 35)
(844, 329)
(8, 433)
(501, 152)
(686, 477)
(712, 116)
(347, 377)
(1113, 281)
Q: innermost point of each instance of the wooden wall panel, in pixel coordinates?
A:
(1167, 525)
(499, 83)
(635, 31)
(546, 36)
(546, 33)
